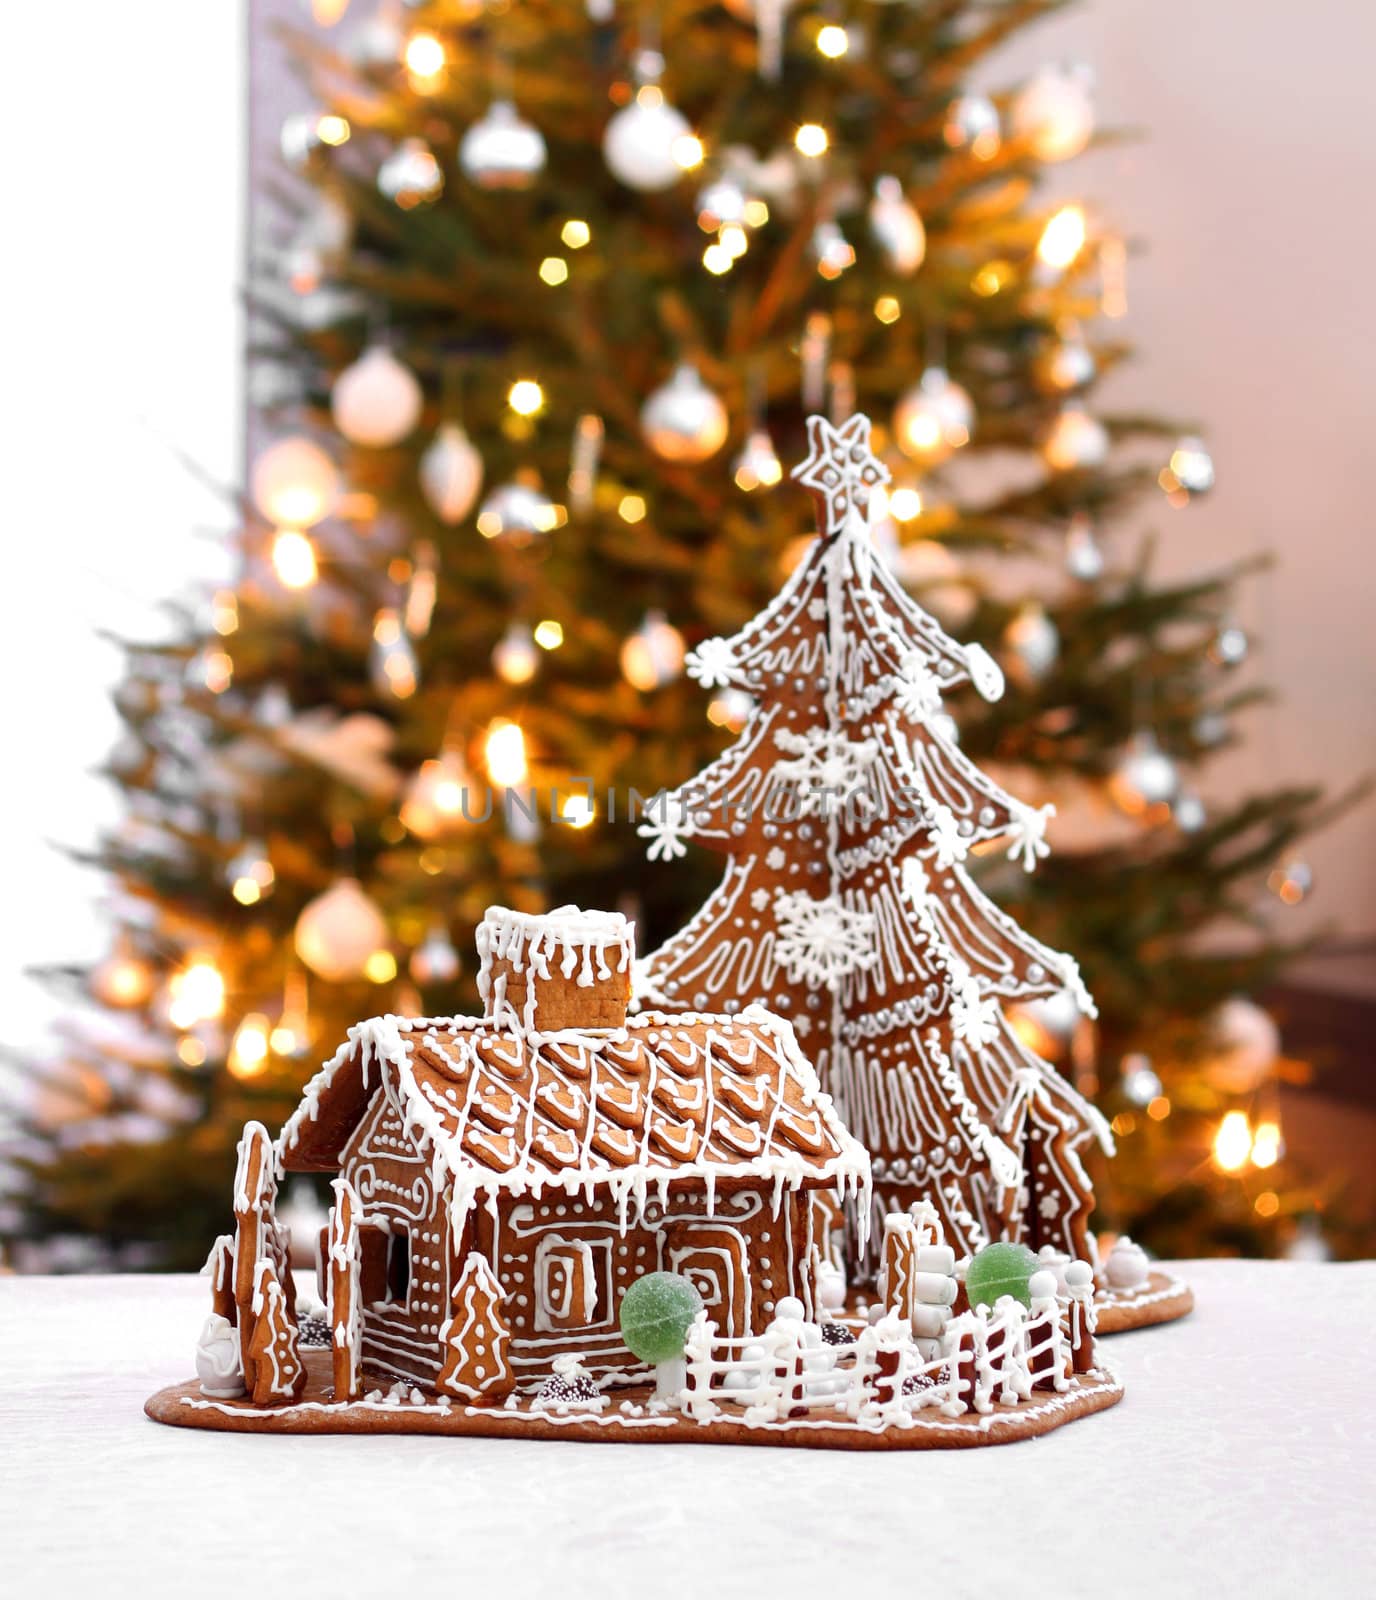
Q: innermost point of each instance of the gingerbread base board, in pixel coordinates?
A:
(1161, 1299)
(183, 1406)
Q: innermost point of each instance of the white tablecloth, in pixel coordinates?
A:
(1240, 1463)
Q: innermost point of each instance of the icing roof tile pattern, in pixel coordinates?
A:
(663, 1098)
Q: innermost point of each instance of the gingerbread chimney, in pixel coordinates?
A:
(565, 969)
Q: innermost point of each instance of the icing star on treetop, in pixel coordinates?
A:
(840, 469)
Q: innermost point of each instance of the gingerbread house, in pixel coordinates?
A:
(571, 1148)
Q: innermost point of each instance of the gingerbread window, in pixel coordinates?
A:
(572, 1283)
(384, 1265)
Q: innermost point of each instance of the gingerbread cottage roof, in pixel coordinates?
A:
(663, 1100)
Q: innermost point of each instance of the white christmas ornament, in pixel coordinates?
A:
(933, 418)
(1084, 560)
(683, 420)
(451, 473)
(1192, 466)
(434, 800)
(502, 150)
(518, 510)
(338, 931)
(1189, 812)
(1064, 365)
(294, 483)
(1144, 777)
(1033, 644)
(1248, 1044)
(377, 401)
(1076, 441)
(1054, 112)
(646, 143)
(1140, 1082)
(758, 465)
(721, 202)
(653, 655)
(436, 960)
(894, 222)
(515, 658)
(1048, 1025)
(411, 176)
(972, 123)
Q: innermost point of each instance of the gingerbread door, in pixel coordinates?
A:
(713, 1259)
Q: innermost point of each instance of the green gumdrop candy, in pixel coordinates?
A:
(656, 1313)
(1000, 1269)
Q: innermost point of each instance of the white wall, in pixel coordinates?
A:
(1254, 312)
(123, 135)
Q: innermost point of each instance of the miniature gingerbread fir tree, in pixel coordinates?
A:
(847, 815)
(476, 1338)
(279, 1375)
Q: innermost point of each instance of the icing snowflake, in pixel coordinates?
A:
(826, 766)
(974, 1018)
(1049, 1206)
(776, 860)
(820, 941)
(759, 900)
(1029, 833)
(945, 834)
(840, 468)
(666, 825)
(712, 664)
(917, 694)
(817, 610)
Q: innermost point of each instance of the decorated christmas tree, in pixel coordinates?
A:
(847, 814)
(543, 293)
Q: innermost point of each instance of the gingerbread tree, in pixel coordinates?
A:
(476, 1338)
(848, 815)
(279, 1374)
(257, 1234)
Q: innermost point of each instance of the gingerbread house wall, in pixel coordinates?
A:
(396, 1190)
(743, 1258)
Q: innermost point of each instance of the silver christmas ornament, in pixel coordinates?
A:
(722, 201)
(1188, 812)
(377, 400)
(1064, 365)
(451, 473)
(411, 176)
(300, 139)
(1084, 560)
(1191, 466)
(1210, 728)
(435, 960)
(502, 150)
(1141, 1085)
(1031, 643)
(758, 465)
(933, 418)
(519, 509)
(378, 42)
(644, 143)
(1144, 777)
(972, 123)
(896, 226)
(515, 656)
(683, 420)
(1230, 646)
(833, 250)
(1076, 441)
